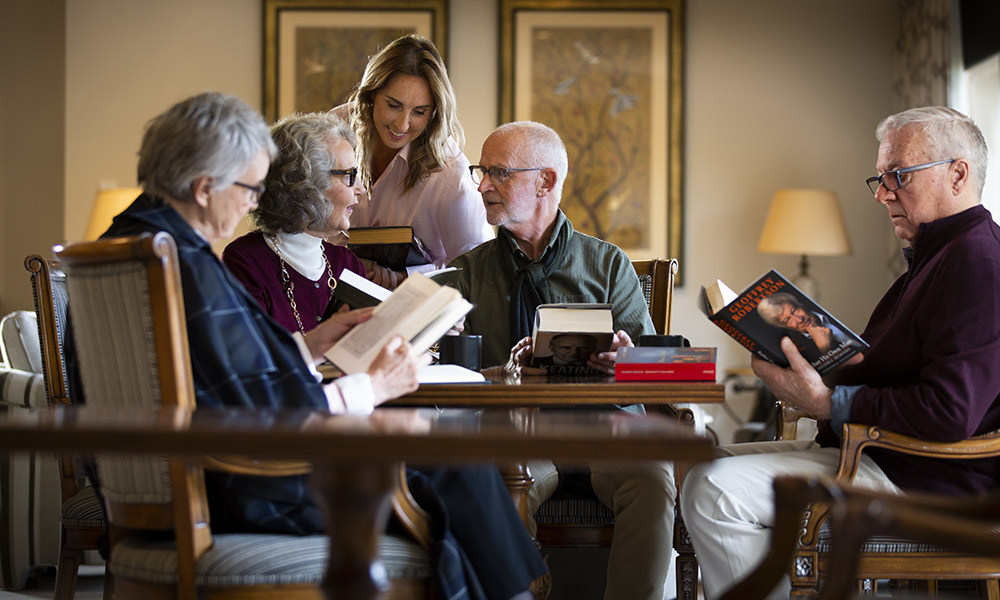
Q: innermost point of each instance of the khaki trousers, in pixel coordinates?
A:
(642, 497)
(728, 504)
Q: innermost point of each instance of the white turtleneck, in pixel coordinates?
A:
(303, 251)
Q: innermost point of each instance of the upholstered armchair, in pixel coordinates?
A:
(29, 492)
(162, 544)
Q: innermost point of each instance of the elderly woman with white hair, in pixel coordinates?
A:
(201, 166)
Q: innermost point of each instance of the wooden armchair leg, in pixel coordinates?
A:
(66, 573)
(687, 562)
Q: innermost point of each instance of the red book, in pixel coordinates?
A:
(665, 364)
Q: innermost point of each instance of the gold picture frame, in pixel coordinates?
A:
(608, 76)
(315, 51)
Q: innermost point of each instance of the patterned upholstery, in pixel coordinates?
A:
(83, 509)
(257, 559)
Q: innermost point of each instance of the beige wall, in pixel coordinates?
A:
(32, 110)
(778, 93)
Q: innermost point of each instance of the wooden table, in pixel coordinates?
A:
(356, 458)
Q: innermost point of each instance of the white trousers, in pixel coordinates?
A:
(642, 498)
(728, 504)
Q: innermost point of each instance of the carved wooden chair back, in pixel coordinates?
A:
(82, 517)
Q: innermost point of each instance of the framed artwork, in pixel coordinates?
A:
(315, 51)
(608, 76)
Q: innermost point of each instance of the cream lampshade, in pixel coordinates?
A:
(107, 205)
(804, 222)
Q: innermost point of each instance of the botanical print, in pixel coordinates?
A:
(329, 62)
(594, 86)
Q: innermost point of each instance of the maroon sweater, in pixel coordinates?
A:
(257, 267)
(933, 370)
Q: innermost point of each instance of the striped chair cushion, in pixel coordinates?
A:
(879, 544)
(574, 510)
(22, 388)
(83, 509)
(239, 559)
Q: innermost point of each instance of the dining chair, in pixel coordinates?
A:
(965, 529)
(82, 516)
(584, 522)
(885, 556)
(131, 337)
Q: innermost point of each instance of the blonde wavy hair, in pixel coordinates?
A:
(412, 55)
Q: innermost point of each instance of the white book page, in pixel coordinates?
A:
(404, 313)
(369, 287)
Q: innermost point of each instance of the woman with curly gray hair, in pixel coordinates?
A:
(310, 191)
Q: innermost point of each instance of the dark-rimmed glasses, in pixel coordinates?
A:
(352, 174)
(498, 175)
(258, 190)
(892, 181)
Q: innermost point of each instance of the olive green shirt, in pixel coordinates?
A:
(592, 271)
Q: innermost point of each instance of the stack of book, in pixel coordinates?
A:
(659, 363)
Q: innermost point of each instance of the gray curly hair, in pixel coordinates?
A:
(294, 200)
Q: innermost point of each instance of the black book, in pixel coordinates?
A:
(392, 247)
(771, 308)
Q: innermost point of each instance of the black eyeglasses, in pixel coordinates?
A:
(498, 175)
(892, 181)
(352, 174)
(258, 190)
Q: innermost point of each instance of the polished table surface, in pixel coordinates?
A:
(355, 458)
(558, 391)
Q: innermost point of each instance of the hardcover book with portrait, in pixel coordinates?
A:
(392, 247)
(565, 335)
(771, 308)
(665, 363)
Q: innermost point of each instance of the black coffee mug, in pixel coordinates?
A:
(463, 350)
(672, 341)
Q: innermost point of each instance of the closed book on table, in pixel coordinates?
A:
(392, 247)
(565, 335)
(665, 364)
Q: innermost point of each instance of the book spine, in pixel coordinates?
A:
(665, 371)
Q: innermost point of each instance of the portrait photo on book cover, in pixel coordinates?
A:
(567, 353)
(814, 334)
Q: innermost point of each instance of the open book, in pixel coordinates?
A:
(419, 310)
(359, 292)
(565, 335)
(772, 308)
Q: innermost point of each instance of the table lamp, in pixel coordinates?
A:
(107, 205)
(804, 222)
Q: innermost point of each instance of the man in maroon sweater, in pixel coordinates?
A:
(933, 369)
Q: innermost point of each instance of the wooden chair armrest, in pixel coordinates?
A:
(856, 437)
(414, 519)
(787, 420)
(244, 465)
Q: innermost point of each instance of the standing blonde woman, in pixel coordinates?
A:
(410, 156)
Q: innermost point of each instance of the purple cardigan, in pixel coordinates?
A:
(933, 370)
(257, 267)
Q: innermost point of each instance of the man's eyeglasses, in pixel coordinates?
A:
(258, 190)
(498, 175)
(892, 181)
(352, 174)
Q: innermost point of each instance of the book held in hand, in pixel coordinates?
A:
(771, 308)
(659, 363)
(419, 310)
(565, 335)
(392, 247)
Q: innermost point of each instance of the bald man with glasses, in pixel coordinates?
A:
(931, 371)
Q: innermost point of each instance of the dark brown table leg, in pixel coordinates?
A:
(357, 499)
